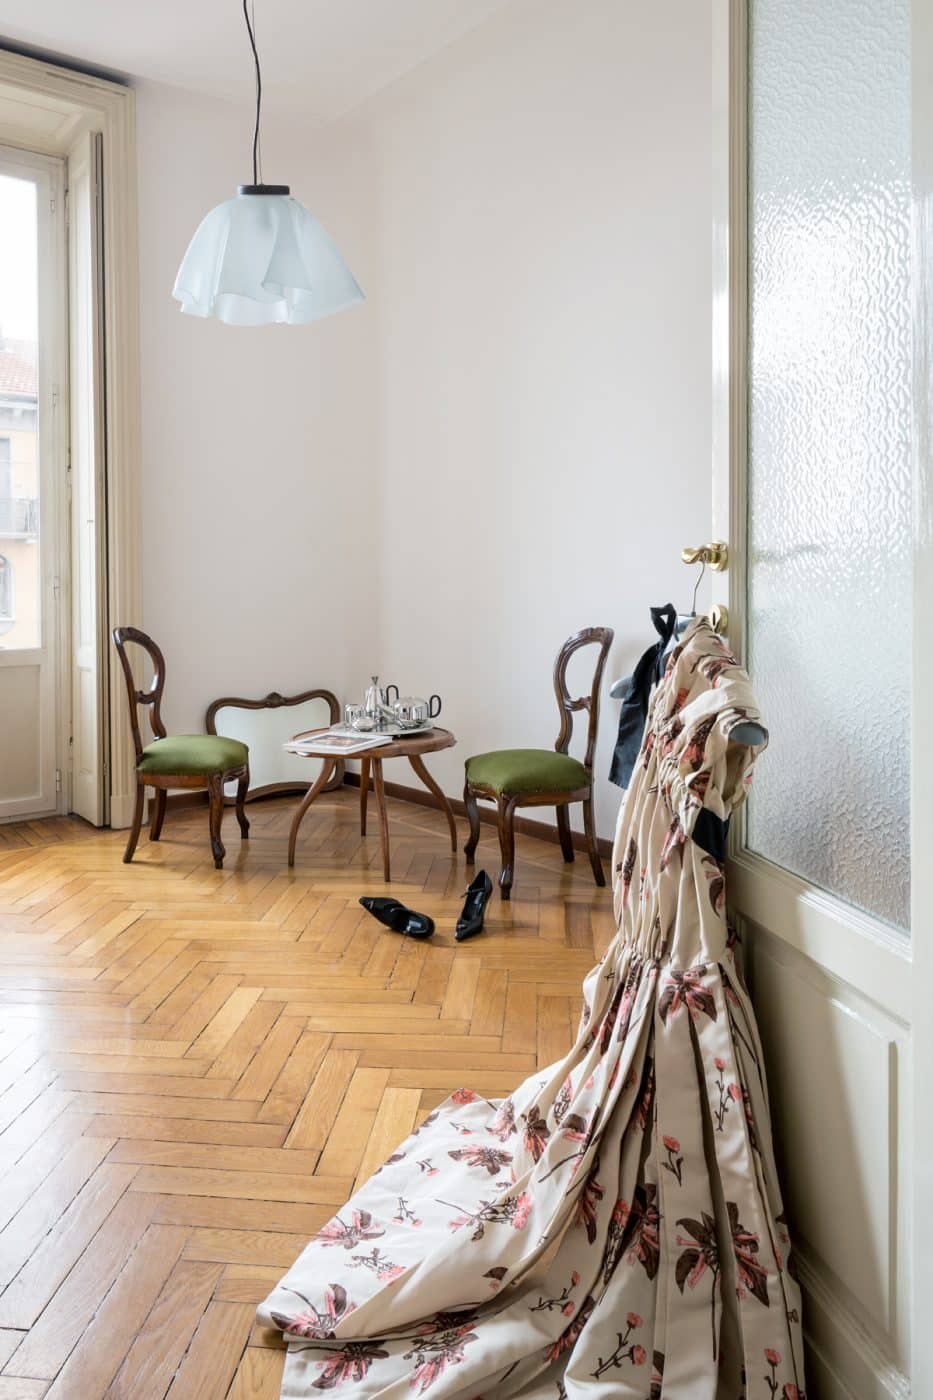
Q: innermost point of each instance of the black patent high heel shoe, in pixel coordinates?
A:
(474, 908)
(397, 917)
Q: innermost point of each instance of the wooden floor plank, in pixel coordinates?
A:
(214, 1356)
(15, 1388)
(266, 1247)
(258, 1376)
(211, 1156)
(395, 1120)
(32, 1222)
(247, 1185)
(236, 1214)
(286, 1094)
(9, 1341)
(92, 1365)
(315, 1117)
(185, 1129)
(161, 1342)
(45, 1349)
(24, 1298)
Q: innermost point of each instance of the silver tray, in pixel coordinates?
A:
(395, 731)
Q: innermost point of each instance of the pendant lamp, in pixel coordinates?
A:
(262, 257)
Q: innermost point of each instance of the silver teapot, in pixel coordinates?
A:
(411, 712)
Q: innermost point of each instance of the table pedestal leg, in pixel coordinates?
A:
(364, 793)
(327, 767)
(383, 819)
(418, 764)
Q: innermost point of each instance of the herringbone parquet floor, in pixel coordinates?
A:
(196, 1066)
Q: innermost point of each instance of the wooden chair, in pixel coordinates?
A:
(183, 761)
(541, 777)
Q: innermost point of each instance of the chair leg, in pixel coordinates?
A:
(157, 814)
(472, 811)
(591, 846)
(242, 788)
(137, 822)
(215, 788)
(563, 831)
(506, 844)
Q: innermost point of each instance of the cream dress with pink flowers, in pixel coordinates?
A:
(614, 1228)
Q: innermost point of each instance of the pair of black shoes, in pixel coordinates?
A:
(400, 919)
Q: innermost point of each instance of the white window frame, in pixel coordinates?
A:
(110, 108)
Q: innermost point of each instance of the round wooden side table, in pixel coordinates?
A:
(371, 761)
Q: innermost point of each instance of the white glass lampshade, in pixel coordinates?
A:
(262, 258)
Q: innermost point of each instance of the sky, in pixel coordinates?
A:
(18, 258)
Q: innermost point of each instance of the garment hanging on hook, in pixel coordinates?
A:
(636, 694)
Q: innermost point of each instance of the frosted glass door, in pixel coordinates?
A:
(829, 569)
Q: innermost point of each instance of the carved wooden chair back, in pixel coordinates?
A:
(600, 637)
(151, 698)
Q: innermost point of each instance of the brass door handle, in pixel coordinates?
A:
(715, 556)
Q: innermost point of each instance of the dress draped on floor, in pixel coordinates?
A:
(615, 1227)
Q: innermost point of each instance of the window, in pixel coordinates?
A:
(6, 590)
(25, 240)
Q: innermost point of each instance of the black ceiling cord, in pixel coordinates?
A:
(256, 187)
(252, 44)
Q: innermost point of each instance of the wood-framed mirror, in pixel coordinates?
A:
(265, 725)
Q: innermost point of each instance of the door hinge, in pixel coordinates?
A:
(58, 780)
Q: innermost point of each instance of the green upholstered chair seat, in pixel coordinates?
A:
(524, 772)
(191, 754)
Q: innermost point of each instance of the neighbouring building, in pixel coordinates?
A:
(19, 496)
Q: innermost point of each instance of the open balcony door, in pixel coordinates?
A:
(88, 490)
(33, 434)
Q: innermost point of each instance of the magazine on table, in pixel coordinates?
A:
(336, 740)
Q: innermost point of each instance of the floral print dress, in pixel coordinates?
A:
(615, 1227)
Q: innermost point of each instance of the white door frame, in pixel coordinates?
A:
(921, 1224)
(110, 108)
(90, 643)
(878, 962)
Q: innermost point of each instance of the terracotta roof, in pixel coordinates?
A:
(18, 367)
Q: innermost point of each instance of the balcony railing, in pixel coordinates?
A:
(19, 515)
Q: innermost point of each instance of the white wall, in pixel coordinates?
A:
(252, 568)
(509, 441)
(539, 304)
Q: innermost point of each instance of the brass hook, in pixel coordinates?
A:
(719, 619)
(715, 555)
(696, 589)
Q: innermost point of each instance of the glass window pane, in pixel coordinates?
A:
(829, 442)
(20, 576)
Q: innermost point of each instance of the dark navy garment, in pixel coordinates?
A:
(710, 831)
(638, 690)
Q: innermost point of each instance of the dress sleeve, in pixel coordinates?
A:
(707, 773)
